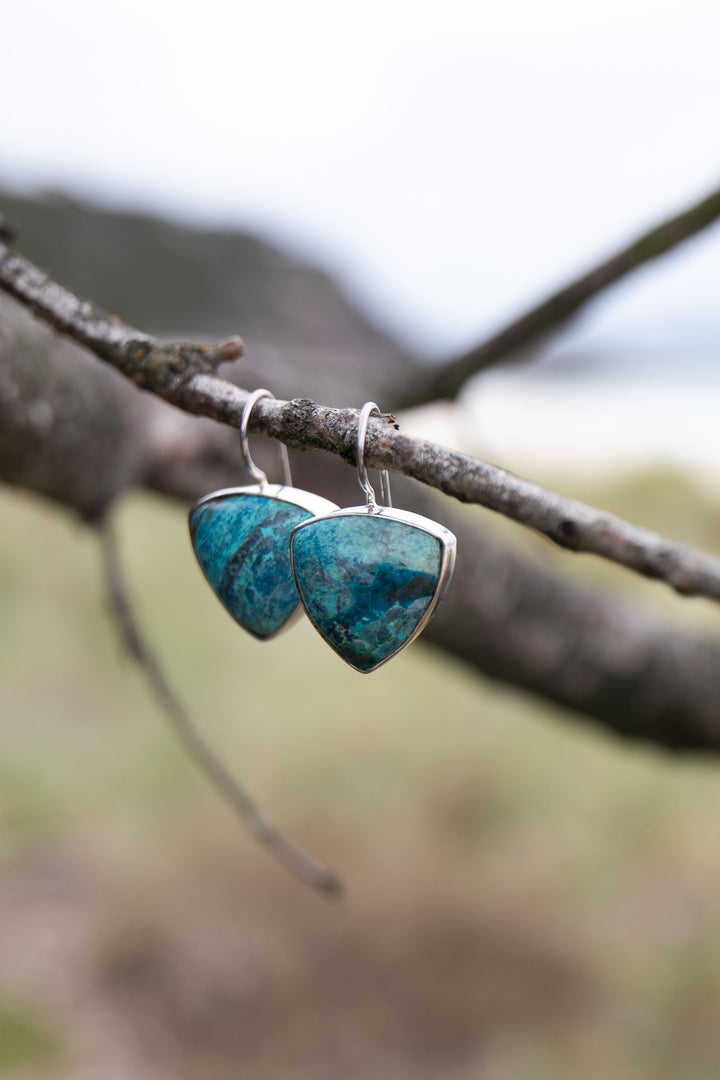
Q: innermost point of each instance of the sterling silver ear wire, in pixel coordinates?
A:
(365, 413)
(241, 539)
(257, 474)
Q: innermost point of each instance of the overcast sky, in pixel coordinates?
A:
(452, 161)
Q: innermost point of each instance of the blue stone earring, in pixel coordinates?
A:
(241, 539)
(369, 577)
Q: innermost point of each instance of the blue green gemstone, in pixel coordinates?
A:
(366, 582)
(242, 544)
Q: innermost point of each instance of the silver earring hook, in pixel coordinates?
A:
(365, 413)
(257, 474)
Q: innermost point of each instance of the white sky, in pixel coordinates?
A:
(452, 161)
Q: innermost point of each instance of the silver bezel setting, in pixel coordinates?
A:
(448, 547)
(306, 500)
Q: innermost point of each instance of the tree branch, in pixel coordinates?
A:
(151, 364)
(264, 831)
(603, 655)
(607, 657)
(184, 375)
(530, 329)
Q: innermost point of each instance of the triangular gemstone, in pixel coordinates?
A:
(241, 540)
(367, 582)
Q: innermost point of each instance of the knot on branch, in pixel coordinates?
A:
(164, 367)
(567, 534)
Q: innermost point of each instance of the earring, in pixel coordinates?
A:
(241, 539)
(369, 577)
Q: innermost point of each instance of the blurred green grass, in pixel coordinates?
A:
(610, 846)
(25, 1041)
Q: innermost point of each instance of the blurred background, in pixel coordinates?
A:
(528, 898)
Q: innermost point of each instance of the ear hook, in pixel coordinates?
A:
(365, 413)
(256, 473)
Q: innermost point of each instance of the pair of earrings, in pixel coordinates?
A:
(368, 577)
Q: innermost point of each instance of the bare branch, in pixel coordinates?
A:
(607, 657)
(264, 831)
(179, 373)
(602, 654)
(530, 329)
(152, 364)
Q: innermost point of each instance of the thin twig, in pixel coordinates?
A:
(534, 326)
(184, 375)
(261, 827)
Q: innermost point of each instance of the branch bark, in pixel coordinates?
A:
(184, 375)
(598, 653)
(153, 365)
